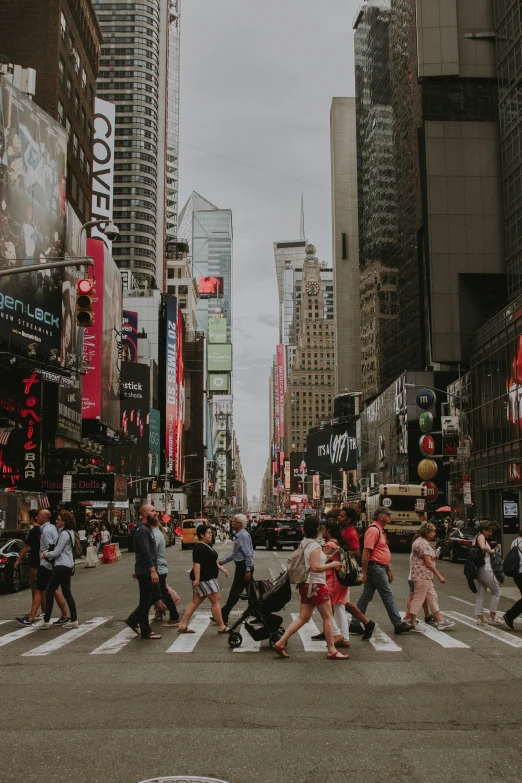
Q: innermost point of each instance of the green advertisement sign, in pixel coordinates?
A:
(217, 330)
(154, 441)
(219, 358)
(218, 382)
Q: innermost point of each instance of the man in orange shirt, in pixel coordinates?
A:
(376, 572)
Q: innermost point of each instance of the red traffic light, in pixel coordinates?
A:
(85, 302)
(85, 286)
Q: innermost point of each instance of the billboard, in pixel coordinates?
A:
(281, 388)
(218, 382)
(33, 155)
(298, 471)
(135, 407)
(103, 166)
(154, 442)
(219, 358)
(129, 336)
(217, 330)
(332, 448)
(210, 287)
(175, 387)
(100, 393)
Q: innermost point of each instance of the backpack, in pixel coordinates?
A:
(475, 560)
(350, 572)
(512, 561)
(77, 546)
(296, 567)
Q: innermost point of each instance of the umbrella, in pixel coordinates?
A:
(443, 509)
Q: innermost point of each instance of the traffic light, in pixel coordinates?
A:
(85, 302)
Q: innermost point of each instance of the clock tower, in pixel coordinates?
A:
(311, 382)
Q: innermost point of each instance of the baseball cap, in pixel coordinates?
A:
(380, 510)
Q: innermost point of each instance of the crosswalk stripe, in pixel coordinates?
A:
(3, 622)
(115, 644)
(382, 642)
(186, 642)
(306, 633)
(248, 644)
(66, 637)
(440, 637)
(489, 630)
(461, 600)
(14, 635)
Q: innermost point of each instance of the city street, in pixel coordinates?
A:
(108, 707)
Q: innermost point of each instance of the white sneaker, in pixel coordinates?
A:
(497, 620)
(70, 625)
(482, 622)
(445, 625)
(38, 615)
(42, 626)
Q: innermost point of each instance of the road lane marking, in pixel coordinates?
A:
(66, 637)
(462, 601)
(306, 632)
(3, 622)
(115, 644)
(186, 642)
(382, 642)
(14, 635)
(440, 637)
(489, 630)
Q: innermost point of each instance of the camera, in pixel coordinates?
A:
(111, 231)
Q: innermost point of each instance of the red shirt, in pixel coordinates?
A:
(351, 538)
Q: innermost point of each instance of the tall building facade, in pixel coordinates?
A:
(134, 76)
(311, 381)
(61, 40)
(173, 119)
(345, 245)
(430, 201)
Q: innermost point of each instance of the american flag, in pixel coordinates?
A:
(44, 501)
(5, 434)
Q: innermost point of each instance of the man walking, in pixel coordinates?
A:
(32, 545)
(347, 519)
(48, 539)
(145, 570)
(242, 555)
(376, 572)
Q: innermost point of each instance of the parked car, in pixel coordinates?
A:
(457, 544)
(276, 533)
(11, 578)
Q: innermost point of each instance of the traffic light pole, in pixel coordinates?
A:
(19, 270)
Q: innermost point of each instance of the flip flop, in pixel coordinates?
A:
(152, 636)
(225, 630)
(135, 629)
(337, 656)
(185, 630)
(281, 651)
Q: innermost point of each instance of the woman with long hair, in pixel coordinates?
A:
(63, 558)
(314, 593)
(486, 579)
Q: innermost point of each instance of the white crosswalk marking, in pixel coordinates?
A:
(462, 601)
(306, 633)
(115, 644)
(186, 642)
(12, 637)
(441, 637)
(489, 630)
(382, 642)
(66, 637)
(3, 622)
(248, 645)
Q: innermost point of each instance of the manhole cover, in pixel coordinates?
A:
(184, 779)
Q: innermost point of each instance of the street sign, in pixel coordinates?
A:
(427, 445)
(426, 399)
(426, 421)
(463, 450)
(427, 469)
(466, 493)
(67, 489)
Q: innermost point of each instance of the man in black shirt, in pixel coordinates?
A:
(32, 545)
(145, 571)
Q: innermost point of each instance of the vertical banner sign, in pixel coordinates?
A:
(103, 166)
(31, 427)
(450, 435)
(171, 397)
(317, 486)
(129, 336)
(287, 474)
(281, 382)
(180, 382)
(154, 442)
(327, 488)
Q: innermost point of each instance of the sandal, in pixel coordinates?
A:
(152, 636)
(226, 629)
(171, 624)
(135, 629)
(337, 656)
(185, 630)
(281, 651)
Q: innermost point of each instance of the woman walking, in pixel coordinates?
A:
(163, 569)
(486, 579)
(314, 594)
(422, 571)
(63, 559)
(204, 580)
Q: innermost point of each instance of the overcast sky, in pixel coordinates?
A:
(257, 81)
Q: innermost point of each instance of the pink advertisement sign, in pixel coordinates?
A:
(281, 388)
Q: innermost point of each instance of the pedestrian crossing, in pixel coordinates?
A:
(56, 640)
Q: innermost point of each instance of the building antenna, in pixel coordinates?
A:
(302, 218)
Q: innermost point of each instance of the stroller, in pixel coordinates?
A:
(264, 598)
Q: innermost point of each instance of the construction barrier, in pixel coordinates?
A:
(91, 557)
(109, 554)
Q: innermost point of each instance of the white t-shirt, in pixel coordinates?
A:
(309, 545)
(82, 535)
(518, 542)
(105, 535)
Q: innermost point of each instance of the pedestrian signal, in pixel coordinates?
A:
(85, 302)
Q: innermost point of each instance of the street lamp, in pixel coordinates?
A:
(111, 231)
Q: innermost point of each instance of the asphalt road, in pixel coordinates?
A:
(420, 713)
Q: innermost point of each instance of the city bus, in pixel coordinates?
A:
(406, 504)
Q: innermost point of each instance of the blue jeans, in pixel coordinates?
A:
(378, 580)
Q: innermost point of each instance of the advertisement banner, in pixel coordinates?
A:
(69, 422)
(99, 486)
(210, 287)
(450, 435)
(103, 166)
(135, 406)
(171, 396)
(287, 474)
(219, 358)
(33, 155)
(317, 486)
(154, 442)
(332, 448)
(298, 471)
(129, 336)
(327, 489)
(217, 330)
(218, 382)
(100, 391)
(281, 388)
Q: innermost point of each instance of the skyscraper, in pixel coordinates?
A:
(173, 118)
(134, 76)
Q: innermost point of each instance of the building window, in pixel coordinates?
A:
(63, 26)
(68, 126)
(84, 79)
(89, 133)
(171, 289)
(75, 145)
(179, 273)
(61, 112)
(74, 188)
(82, 159)
(61, 68)
(170, 273)
(84, 120)
(69, 87)
(80, 199)
(76, 61)
(183, 303)
(88, 170)
(183, 289)
(76, 104)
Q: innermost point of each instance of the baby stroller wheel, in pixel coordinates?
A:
(235, 640)
(274, 637)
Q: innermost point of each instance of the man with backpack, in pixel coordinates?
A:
(376, 572)
(513, 568)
